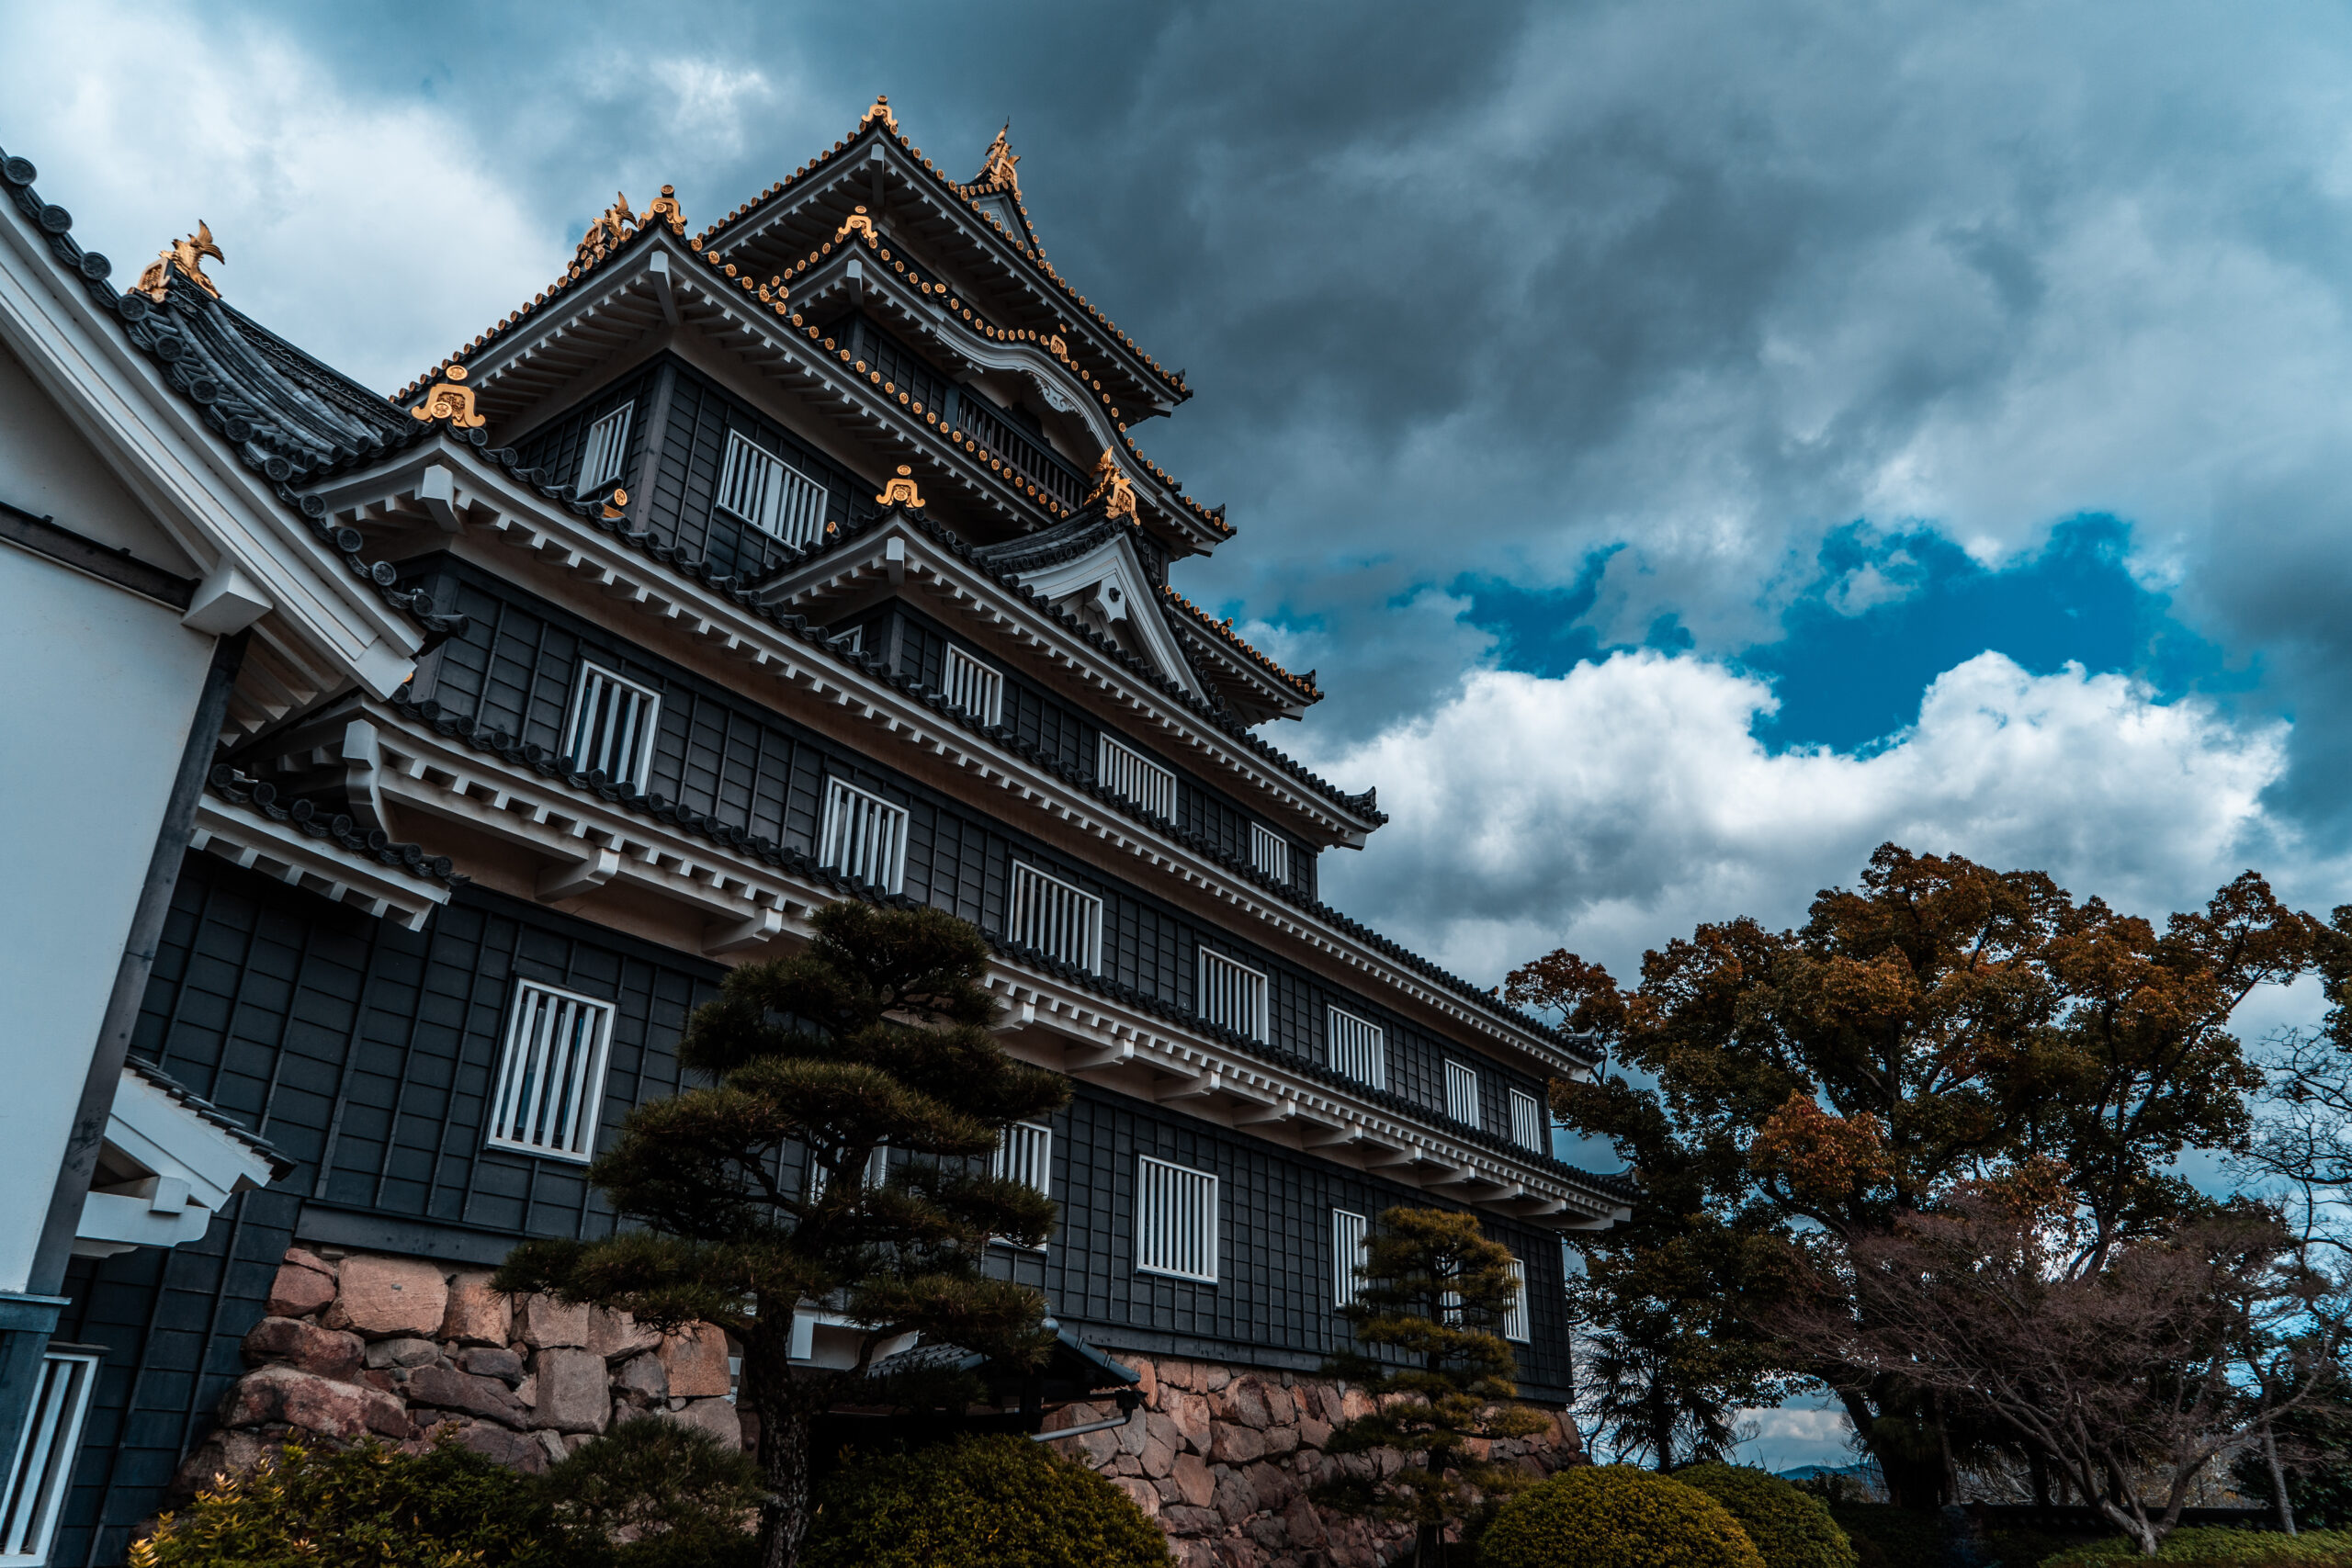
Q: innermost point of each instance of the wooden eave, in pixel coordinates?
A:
(479, 502)
(880, 171)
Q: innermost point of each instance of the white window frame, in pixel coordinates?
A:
(1515, 1325)
(1527, 1121)
(973, 686)
(1184, 1197)
(851, 640)
(599, 688)
(1024, 1153)
(605, 450)
(1131, 775)
(1214, 967)
(778, 498)
(1039, 915)
(41, 1469)
(1350, 1245)
(887, 851)
(1461, 1093)
(1270, 852)
(877, 1173)
(1357, 1046)
(524, 1073)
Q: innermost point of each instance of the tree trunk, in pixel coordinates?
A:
(2277, 1481)
(785, 1428)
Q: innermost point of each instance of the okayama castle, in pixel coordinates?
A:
(426, 760)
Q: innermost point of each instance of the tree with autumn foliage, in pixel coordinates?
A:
(877, 1034)
(1942, 1024)
(1433, 1296)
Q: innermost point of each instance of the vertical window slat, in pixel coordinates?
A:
(1350, 1236)
(1270, 852)
(770, 495)
(1233, 996)
(606, 447)
(1527, 1121)
(864, 836)
(1461, 1093)
(1515, 1316)
(1176, 1226)
(1127, 772)
(550, 1076)
(42, 1466)
(974, 687)
(1056, 919)
(611, 727)
(1359, 1048)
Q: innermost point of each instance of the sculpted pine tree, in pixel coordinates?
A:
(1434, 1293)
(877, 1034)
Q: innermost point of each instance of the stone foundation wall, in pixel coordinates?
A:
(399, 1348)
(1224, 1461)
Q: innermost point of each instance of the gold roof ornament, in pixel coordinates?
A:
(606, 231)
(452, 399)
(900, 491)
(856, 223)
(666, 210)
(881, 111)
(998, 170)
(613, 507)
(185, 256)
(1111, 488)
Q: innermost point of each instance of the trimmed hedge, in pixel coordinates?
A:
(2221, 1547)
(1788, 1528)
(979, 1503)
(1615, 1517)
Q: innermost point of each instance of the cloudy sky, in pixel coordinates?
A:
(1693, 442)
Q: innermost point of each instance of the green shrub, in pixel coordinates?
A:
(1615, 1517)
(447, 1508)
(1788, 1528)
(662, 1496)
(979, 1503)
(2222, 1548)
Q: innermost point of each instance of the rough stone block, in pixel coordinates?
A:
(1146, 1378)
(381, 1297)
(1215, 1377)
(696, 1359)
(716, 1417)
(1314, 1434)
(1190, 1473)
(1229, 1444)
(312, 1402)
(1189, 1412)
(613, 1334)
(305, 1346)
(1241, 1403)
(477, 1314)
(300, 1291)
(1134, 1435)
(1158, 1458)
(1282, 1441)
(492, 1361)
(449, 1389)
(546, 1324)
(405, 1352)
(1233, 1500)
(643, 1375)
(1147, 1496)
(516, 1450)
(572, 1393)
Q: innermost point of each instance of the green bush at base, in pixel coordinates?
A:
(980, 1503)
(2222, 1548)
(1615, 1517)
(1788, 1528)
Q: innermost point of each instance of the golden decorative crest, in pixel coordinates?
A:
(613, 507)
(606, 231)
(856, 223)
(998, 169)
(187, 256)
(1111, 488)
(1061, 349)
(881, 111)
(451, 399)
(666, 210)
(900, 491)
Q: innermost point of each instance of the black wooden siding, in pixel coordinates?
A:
(725, 756)
(675, 494)
(365, 1052)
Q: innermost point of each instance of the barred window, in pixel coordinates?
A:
(1056, 919)
(1350, 1241)
(769, 493)
(1526, 1120)
(865, 837)
(1025, 1153)
(1359, 1049)
(611, 727)
(974, 687)
(1515, 1315)
(1461, 1093)
(1129, 772)
(1175, 1220)
(1233, 996)
(607, 445)
(551, 1073)
(45, 1453)
(876, 1173)
(1270, 852)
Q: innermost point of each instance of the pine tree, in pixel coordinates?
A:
(877, 1034)
(1434, 1293)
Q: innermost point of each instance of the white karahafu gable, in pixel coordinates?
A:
(1106, 586)
(170, 1163)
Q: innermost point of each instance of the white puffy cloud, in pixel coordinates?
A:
(1617, 805)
